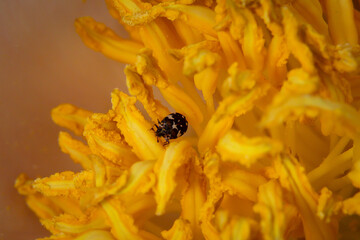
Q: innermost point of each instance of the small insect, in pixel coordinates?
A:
(172, 126)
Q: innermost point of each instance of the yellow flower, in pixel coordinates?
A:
(271, 92)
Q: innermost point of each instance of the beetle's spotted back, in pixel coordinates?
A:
(172, 126)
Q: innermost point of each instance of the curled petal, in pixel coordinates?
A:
(122, 224)
(239, 227)
(181, 230)
(271, 210)
(77, 150)
(297, 47)
(238, 80)
(231, 49)
(105, 140)
(102, 39)
(136, 130)
(140, 180)
(223, 118)
(331, 168)
(300, 82)
(271, 16)
(198, 17)
(207, 213)
(70, 117)
(306, 105)
(96, 195)
(203, 61)
(193, 200)
(277, 57)
(176, 155)
(68, 205)
(42, 206)
(183, 104)
(65, 183)
(158, 36)
(345, 58)
(235, 147)
(126, 7)
(292, 178)
(253, 41)
(328, 206)
(352, 205)
(144, 94)
(181, 100)
(24, 185)
(313, 14)
(99, 170)
(187, 33)
(242, 183)
(67, 223)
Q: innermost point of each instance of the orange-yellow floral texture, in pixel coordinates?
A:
(271, 91)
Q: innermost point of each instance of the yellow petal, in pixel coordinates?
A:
(136, 130)
(253, 42)
(198, 17)
(68, 205)
(300, 50)
(238, 227)
(192, 201)
(70, 117)
(122, 224)
(67, 223)
(105, 140)
(241, 182)
(96, 195)
(292, 178)
(95, 234)
(331, 168)
(231, 49)
(312, 12)
(306, 105)
(345, 59)
(341, 21)
(144, 94)
(213, 198)
(43, 207)
(125, 7)
(203, 62)
(352, 205)
(328, 207)
(186, 33)
(24, 185)
(65, 183)
(180, 230)
(270, 208)
(102, 39)
(235, 147)
(140, 179)
(159, 37)
(223, 118)
(276, 60)
(176, 155)
(182, 101)
(77, 150)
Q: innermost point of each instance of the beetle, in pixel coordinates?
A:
(172, 126)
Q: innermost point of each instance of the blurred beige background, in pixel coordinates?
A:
(44, 63)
